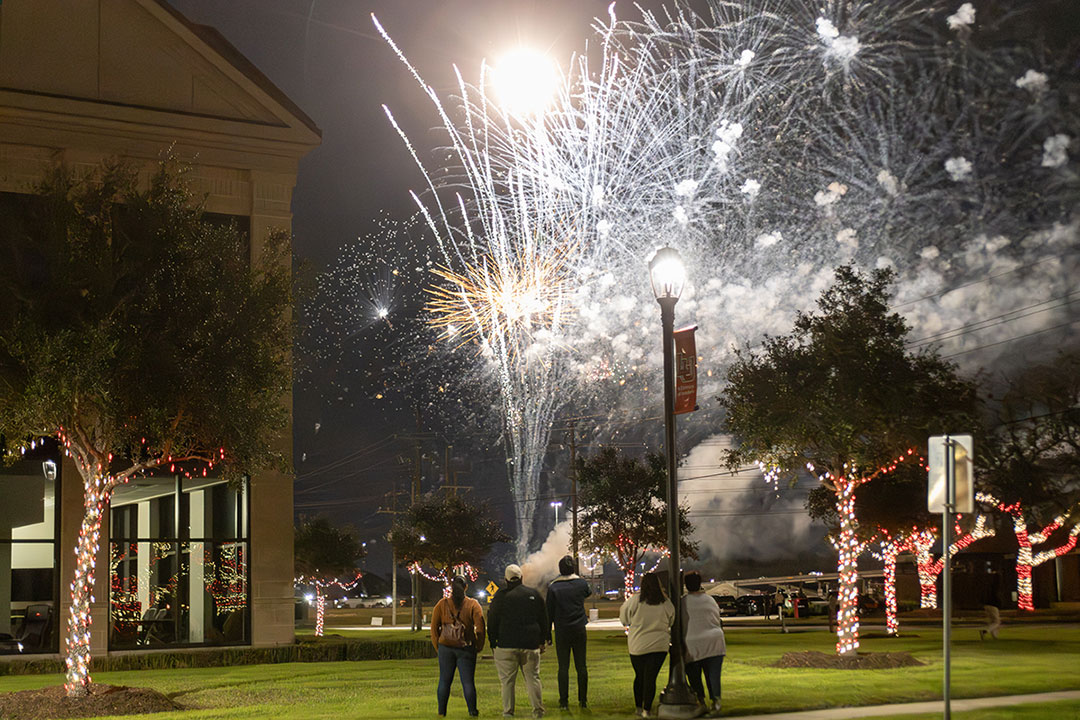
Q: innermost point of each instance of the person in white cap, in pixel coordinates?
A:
(519, 630)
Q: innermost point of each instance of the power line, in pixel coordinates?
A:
(1012, 339)
(1000, 320)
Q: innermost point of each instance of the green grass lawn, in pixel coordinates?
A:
(1024, 660)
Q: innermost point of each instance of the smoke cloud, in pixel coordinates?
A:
(542, 566)
(740, 519)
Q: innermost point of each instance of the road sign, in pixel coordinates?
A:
(491, 588)
(963, 475)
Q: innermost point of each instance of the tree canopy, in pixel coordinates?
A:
(325, 552)
(842, 389)
(1031, 451)
(442, 531)
(141, 329)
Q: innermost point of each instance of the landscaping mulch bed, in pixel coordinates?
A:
(53, 702)
(862, 661)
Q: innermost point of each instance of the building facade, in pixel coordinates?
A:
(182, 562)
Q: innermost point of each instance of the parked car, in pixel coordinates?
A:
(365, 601)
(727, 605)
(750, 604)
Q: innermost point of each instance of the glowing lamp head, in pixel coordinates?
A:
(667, 273)
(525, 81)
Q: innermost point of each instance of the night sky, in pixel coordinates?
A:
(350, 433)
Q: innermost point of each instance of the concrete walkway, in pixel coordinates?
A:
(934, 706)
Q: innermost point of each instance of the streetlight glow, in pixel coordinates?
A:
(525, 81)
(556, 504)
(667, 273)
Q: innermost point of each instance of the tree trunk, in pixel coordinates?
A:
(320, 610)
(1024, 562)
(847, 635)
(892, 625)
(95, 498)
(927, 577)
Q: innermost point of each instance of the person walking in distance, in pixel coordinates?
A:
(648, 616)
(566, 611)
(519, 630)
(457, 632)
(705, 646)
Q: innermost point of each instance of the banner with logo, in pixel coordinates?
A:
(685, 370)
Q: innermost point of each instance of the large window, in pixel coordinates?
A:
(29, 580)
(178, 564)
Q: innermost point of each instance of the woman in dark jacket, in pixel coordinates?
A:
(460, 616)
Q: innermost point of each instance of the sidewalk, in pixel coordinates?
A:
(934, 706)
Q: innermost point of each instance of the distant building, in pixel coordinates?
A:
(183, 562)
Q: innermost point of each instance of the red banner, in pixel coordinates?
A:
(685, 371)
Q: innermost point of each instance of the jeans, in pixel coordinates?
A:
(571, 640)
(646, 668)
(507, 662)
(712, 666)
(464, 661)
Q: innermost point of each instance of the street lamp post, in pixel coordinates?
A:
(667, 274)
(556, 504)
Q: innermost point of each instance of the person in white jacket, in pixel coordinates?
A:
(648, 616)
(705, 646)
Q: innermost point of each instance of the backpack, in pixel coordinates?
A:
(453, 634)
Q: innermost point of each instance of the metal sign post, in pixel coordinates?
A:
(950, 488)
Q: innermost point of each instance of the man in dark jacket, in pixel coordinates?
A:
(518, 629)
(566, 611)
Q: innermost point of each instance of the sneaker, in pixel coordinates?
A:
(564, 706)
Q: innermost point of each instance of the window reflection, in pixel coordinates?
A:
(189, 588)
(28, 560)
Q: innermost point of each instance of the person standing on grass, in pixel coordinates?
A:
(705, 646)
(457, 632)
(648, 616)
(566, 611)
(519, 630)
(778, 600)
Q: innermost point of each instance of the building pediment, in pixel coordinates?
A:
(118, 58)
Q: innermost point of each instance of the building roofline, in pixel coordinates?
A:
(228, 52)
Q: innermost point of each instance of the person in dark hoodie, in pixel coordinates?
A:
(566, 611)
(519, 630)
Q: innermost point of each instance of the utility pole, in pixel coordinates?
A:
(450, 483)
(417, 604)
(391, 498)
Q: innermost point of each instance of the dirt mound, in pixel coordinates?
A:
(52, 702)
(862, 661)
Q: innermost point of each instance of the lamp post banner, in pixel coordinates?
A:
(685, 370)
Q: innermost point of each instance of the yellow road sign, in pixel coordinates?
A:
(491, 588)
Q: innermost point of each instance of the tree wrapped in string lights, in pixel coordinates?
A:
(843, 397)
(326, 557)
(922, 541)
(143, 338)
(1030, 461)
(623, 510)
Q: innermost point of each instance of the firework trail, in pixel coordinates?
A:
(769, 142)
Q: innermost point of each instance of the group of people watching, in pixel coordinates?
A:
(519, 628)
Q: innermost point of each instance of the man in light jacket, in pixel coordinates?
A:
(566, 611)
(518, 630)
